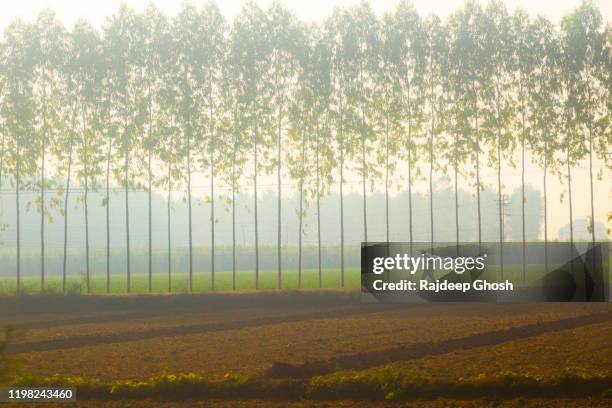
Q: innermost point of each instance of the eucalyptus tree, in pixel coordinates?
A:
(214, 48)
(169, 149)
(498, 100)
(123, 48)
(583, 47)
(49, 41)
(82, 57)
(407, 53)
(346, 117)
(85, 96)
(187, 60)
(285, 37)
(19, 114)
(155, 28)
(338, 110)
(389, 97)
(361, 43)
(232, 131)
(464, 42)
(542, 84)
(308, 115)
(325, 160)
(300, 139)
(523, 63)
(250, 54)
(434, 88)
(570, 101)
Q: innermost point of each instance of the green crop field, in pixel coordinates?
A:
(202, 281)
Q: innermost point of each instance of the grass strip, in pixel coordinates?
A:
(386, 384)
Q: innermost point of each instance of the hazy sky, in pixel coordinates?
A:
(96, 10)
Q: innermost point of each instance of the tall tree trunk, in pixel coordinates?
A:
(545, 206)
(278, 176)
(523, 180)
(410, 170)
(341, 199)
(189, 219)
(212, 190)
(431, 165)
(500, 202)
(150, 192)
(363, 179)
(591, 182)
(255, 209)
(569, 192)
(387, 180)
(42, 217)
(301, 213)
(234, 213)
(523, 199)
(86, 208)
(569, 186)
(212, 222)
(18, 210)
(456, 187)
(108, 163)
(477, 137)
(169, 227)
(127, 220)
(66, 196)
(318, 210)
(42, 193)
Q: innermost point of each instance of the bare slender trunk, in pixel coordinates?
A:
(189, 219)
(86, 208)
(150, 224)
(387, 180)
(42, 218)
(456, 171)
(341, 201)
(591, 183)
(569, 191)
(255, 209)
(569, 185)
(212, 190)
(212, 222)
(108, 161)
(431, 166)
(301, 212)
(66, 196)
(234, 214)
(499, 194)
(545, 206)
(169, 230)
(523, 180)
(477, 137)
(318, 210)
(18, 210)
(410, 170)
(278, 176)
(363, 179)
(42, 193)
(127, 220)
(150, 192)
(523, 197)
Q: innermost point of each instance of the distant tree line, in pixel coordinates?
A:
(149, 101)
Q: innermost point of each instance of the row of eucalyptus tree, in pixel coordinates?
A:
(149, 102)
